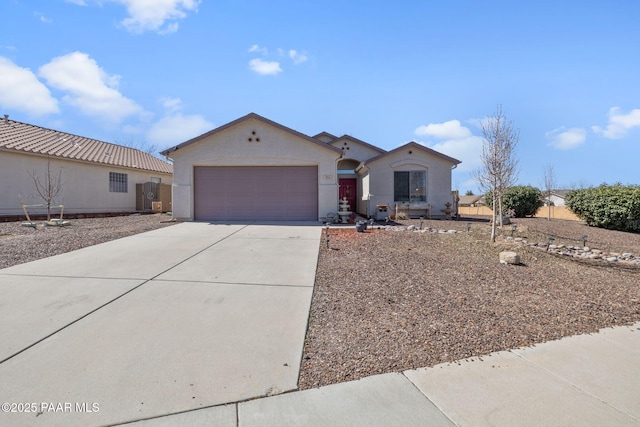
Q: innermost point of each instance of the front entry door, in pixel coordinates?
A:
(348, 190)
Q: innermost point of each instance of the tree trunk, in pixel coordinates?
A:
(493, 219)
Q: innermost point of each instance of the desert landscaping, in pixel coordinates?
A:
(387, 301)
(390, 299)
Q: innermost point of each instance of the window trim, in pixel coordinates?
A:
(405, 195)
(118, 182)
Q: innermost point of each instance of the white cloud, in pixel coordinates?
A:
(619, 124)
(161, 16)
(264, 67)
(566, 139)
(297, 57)
(171, 104)
(261, 50)
(44, 18)
(175, 129)
(450, 130)
(456, 141)
(21, 90)
(89, 87)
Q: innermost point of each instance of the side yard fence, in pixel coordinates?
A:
(557, 212)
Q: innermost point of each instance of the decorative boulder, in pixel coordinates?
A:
(509, 257)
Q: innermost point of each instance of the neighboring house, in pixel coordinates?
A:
(470, 201)
(255, 169)
(557, 197)
(96, 176)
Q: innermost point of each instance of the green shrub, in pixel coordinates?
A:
(524, 200)
(615, 207)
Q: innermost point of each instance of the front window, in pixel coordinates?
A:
(117, 182)
(410, 186)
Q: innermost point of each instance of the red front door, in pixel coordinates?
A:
(348, 190)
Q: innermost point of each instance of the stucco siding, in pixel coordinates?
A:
(438, 177)
(355, 150)
(85, 186)
(253, 143)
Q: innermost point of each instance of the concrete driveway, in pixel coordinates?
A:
(171, 320)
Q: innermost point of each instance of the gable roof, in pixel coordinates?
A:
(415, 145)
(249, 116)
(358, 141)
(30, 139)
(328, 135)
(468, 200)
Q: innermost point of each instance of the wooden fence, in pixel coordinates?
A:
(557, 212)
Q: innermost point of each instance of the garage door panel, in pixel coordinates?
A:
(256, 193)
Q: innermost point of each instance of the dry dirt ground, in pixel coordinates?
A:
(20, 244)
(387, 301)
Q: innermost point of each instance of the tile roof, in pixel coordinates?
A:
(26, 138)
(468, 200)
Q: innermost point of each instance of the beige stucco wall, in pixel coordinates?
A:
(354, 150)
(380, 176)
(231, 147)
(85, 186)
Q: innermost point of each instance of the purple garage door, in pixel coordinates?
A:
(288, 193)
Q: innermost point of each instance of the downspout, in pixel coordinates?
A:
(173, 219)
(456, 201)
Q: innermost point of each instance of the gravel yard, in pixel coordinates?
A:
(387, 301)
(20, 244)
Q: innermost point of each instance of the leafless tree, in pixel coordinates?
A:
(499, 165)
(50, 188)
(549, 185)
(145, 147)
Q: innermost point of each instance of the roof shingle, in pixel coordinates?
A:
(27, 138)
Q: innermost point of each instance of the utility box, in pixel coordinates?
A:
(156, 207)
(381, 212)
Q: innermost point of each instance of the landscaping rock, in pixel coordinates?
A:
(508, 257)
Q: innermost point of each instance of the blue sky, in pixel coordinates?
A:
(567, 73)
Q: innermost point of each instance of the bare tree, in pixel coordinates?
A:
(499, 169)
(145, 147)
(549, 184)
(50, 188)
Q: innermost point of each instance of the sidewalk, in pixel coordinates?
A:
(585, 380)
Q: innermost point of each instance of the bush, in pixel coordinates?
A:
(614, 207)
(524, 200)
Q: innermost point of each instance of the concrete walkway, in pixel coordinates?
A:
(171, 320)
(586, 380)
(196, 324)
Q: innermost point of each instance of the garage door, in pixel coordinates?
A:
(256, 193)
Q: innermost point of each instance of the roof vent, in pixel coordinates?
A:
(6, 119)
